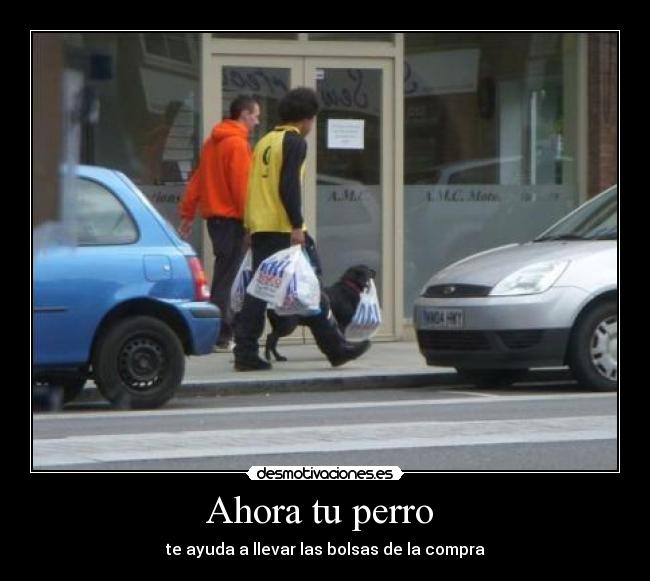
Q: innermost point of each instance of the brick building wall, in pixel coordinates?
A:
(603, 111)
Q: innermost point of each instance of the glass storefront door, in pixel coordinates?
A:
(267, 79)
(345, 191)
(353, 167)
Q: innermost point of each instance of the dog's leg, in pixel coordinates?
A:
(279, 357)
(271, 347)
(267, 346)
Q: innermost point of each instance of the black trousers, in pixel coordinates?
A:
(227, 236)
(250, 321)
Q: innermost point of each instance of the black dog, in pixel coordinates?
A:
(343, 297)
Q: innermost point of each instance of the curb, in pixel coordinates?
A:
(211, 388)
(314, 384)
(433, 379)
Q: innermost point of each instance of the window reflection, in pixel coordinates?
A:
(148, 110)
(488, 144)
(349, 193)
(476, 97)
(267, 84)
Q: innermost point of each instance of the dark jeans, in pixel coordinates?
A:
(227, 236)
(250, 322)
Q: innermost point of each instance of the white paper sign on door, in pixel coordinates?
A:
(345, 133)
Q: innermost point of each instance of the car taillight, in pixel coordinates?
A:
(201, 291)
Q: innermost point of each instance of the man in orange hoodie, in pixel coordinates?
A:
(219, 187)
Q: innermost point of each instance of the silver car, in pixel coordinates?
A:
(546, 303)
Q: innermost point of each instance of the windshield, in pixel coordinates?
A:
(596, 220)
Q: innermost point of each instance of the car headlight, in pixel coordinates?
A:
(530, 280)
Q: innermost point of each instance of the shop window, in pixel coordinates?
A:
(178, 50)
(489, 143)
(147, 123)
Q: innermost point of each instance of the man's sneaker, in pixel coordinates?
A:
(350, 351)
(251, 364)
(223, 347)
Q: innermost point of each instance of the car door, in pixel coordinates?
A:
(74, 286)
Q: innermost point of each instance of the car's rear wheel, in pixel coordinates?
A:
(138, 363)
(593, 348)
(490, 378)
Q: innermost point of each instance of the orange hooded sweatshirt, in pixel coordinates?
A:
(220, 183)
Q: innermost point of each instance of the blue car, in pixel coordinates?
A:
(122, 306)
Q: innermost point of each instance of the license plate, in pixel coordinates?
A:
(442, 318)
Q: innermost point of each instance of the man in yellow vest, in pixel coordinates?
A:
(274, 219)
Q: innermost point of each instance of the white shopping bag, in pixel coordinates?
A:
(273, 275)
(302, 296)
(286, 281)
(242, 280)
(367, 317)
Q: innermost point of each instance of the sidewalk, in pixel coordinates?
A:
(386, 364)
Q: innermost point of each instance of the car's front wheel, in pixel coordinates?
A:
(138, 363)
(491, 378)
(593, 348)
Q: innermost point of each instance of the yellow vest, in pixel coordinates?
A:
(265, 211)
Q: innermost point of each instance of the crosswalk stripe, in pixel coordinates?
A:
(240, 442)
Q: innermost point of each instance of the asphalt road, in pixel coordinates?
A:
(528, 427)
